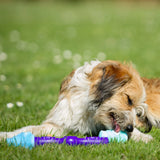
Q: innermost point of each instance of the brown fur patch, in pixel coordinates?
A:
(108, 76)
(64, 84)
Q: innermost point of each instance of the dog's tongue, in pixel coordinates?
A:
(117, 128)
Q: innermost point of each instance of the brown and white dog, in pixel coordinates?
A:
(152, 87)
(96, 96)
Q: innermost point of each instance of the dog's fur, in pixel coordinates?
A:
(152, 87)
(99, 95)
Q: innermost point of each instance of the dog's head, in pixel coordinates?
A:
(117, 90)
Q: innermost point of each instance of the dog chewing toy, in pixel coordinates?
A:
(28, 140)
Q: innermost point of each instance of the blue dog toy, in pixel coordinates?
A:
(28, 140)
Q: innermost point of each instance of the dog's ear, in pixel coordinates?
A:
(107, 79)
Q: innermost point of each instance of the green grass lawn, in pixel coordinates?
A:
(41, 43)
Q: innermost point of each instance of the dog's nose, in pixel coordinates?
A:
(129, 128)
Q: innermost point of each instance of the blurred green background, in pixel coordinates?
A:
(42, 42)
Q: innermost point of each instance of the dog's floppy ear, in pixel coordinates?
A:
(107, 78)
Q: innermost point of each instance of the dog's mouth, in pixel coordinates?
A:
(116, 126)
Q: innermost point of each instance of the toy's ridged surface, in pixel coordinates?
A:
(24, 139)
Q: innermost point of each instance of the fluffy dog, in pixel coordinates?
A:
(96, 96)
(152, 87)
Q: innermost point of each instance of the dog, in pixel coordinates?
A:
(152, 87)
(97, 96)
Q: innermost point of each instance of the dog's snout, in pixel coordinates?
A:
(129, 128)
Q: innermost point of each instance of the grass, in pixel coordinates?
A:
(44, 42)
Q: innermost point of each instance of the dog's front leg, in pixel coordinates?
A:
(39, 130)
(136, 135)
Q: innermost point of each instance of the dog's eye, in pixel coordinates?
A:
(130, 102)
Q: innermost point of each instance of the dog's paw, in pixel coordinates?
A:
(147, 138)
(139, 136)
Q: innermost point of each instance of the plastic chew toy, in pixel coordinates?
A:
(114, 136)
(28, 140)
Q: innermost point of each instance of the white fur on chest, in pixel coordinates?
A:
(71, 110)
